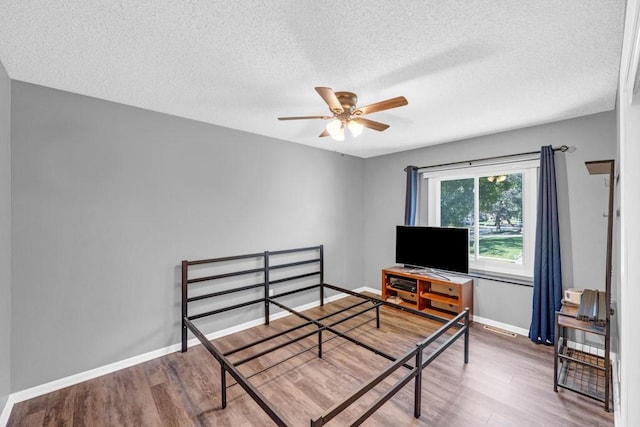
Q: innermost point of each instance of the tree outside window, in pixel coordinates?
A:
(491, 204)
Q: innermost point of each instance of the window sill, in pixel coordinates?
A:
(501, 277)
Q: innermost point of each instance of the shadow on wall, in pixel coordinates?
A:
(566, 250)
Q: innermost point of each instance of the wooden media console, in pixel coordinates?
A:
(443, 295)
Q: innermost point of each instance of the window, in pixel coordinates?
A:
(497, 204)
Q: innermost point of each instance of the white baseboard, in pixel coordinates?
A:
(113, 367)
(505, 326)
(49, 387)
(615, 386)
(482, 320)
(6, 411)
(368, 289)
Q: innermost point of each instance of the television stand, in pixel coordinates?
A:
(432, 293)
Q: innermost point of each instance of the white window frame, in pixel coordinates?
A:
(529, 170)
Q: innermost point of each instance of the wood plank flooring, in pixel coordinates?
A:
(508, 382)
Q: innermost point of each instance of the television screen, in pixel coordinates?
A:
(443, 248)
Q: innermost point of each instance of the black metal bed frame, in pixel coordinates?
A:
(312, 256)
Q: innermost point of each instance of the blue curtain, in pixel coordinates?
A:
(411, 202)
(547, 275)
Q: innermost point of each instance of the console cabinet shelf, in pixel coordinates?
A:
(442, 296)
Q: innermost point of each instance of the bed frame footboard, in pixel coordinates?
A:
(302, 265)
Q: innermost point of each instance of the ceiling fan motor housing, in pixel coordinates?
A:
(348, 100)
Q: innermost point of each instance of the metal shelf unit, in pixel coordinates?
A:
(582, 368)
(579, 367)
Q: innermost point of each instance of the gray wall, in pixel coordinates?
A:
(108, 199)
(582, 202)
(5, 236)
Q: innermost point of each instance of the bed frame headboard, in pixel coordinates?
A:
(265, 263)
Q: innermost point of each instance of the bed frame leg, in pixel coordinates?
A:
(466, 336)
(321, 275)
(185, 283)
(377, 317)
(266, 288)
(184, 337)
(417, 402)
(223, 386)
(320, 344)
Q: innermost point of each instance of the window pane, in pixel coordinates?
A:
(456, 205)
(500, 219)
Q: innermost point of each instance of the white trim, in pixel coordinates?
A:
(368, 289)
(113, 367)
(506, 327)
(481, 320)
(617, 418)
(630, 76)
(6, 411)
(484, 321)
(578, 346)
(58, 384)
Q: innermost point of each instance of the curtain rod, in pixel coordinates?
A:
(562, 148)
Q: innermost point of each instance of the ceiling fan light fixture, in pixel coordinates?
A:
(339, 135)
(336, 129)
(355, 128)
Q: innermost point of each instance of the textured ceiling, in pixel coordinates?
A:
(467, 67)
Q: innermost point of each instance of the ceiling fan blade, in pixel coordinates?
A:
(323, 134)
(370, 124)
(304, 117)
(331, 99)
(387, 104)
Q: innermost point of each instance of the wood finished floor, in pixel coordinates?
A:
(508, 382)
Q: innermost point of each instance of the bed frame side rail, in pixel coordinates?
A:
(227, 367)
(415, 373)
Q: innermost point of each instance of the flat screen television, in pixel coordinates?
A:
(441, 248)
